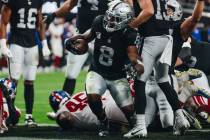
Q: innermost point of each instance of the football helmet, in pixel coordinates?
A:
(118, 15)
(57, 99)
(8, 88)
(177, 10)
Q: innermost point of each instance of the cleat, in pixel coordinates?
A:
(103, 129)
(192, 120)
(181, 124)
(138, 131)
(51, 115)
(30, 122)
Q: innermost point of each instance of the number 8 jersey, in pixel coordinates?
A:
(23, 21)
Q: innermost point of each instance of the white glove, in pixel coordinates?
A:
(4, 49)
(45, 49)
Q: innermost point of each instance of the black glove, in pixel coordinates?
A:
(49, 18)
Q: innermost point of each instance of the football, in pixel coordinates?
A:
(77, 47)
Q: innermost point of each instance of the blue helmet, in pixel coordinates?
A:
(8, 87)
(58, 98)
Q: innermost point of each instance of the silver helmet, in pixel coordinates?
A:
(177, 10)
(118, 15)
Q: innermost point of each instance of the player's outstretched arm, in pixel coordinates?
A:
(41, 29)
(146, 13)
(6, 12)
(189, 24)
(62, 11)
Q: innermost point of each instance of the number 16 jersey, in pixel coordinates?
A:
(23, 21)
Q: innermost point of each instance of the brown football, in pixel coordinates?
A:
(81, 45)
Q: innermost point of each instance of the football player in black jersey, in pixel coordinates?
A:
(25, 19)
(163, 22)
(115, 43)
(87, 11)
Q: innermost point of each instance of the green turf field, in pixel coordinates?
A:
(47, 129)
(44, 84)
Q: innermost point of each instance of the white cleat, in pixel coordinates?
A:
(138, 131)
(51, 115)
(181, 124)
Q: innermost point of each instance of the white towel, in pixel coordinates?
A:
(167, 53)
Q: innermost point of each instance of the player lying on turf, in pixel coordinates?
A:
(9, 115)
(187, 84)
(75, 113)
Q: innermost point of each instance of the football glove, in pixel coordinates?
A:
(4, 49)
(49, 18)
(45, 49)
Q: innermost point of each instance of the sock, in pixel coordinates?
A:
(69, 85)
(28, 116)
(29, 97)
(171, 95)
(140, 97)
(140, 120)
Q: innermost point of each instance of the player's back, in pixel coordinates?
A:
(23, 21)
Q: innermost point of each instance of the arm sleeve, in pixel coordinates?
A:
(94, 26)
(132, 37)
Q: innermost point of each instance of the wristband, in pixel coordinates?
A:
(44, 43)
(186, 44)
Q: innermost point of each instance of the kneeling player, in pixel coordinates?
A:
(9, 115)
(75, 113)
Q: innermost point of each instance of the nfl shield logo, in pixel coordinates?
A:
(98, 35)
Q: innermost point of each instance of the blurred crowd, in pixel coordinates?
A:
(62, 28)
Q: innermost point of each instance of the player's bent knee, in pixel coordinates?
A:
(162, 79)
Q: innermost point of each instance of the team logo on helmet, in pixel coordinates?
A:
(8, 87)
(58, 98)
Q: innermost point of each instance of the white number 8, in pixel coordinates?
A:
(106, 55)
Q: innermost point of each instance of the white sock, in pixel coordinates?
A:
(140, 119)
(28, 115)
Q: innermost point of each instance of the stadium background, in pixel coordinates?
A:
(51, 73)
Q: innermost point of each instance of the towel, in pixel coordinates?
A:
(167, 53)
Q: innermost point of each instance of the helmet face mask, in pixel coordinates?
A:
(174, 10)
(117, 16)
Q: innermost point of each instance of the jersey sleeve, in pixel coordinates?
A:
(7, 2)
(132, 37)
(96, 22)
(41, 3)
